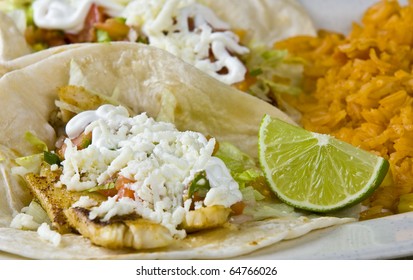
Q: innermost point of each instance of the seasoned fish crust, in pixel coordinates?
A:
(53, 199)
(124, 232)
(128, 231)
(120, 232)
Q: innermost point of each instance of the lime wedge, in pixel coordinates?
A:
(316, 172)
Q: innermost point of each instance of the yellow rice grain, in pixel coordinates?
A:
(359, 88)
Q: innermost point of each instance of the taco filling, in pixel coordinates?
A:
(187, 29)
(230, 41)
(114, 167)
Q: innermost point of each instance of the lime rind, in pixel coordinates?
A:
(346, 174)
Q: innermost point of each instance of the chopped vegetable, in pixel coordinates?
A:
(274, 72)
(115, 29)
(37, 212)
(38, 144)
(102, 36)
(199, 186)
(121, 187)
(51, 158)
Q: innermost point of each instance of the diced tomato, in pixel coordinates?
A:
(238, 208)
(121, 181)
(108, 192)
(123, 191)
(81, 142)
(88, 33)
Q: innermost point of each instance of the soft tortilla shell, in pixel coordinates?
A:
(145, 79)
(12, 42)
(264, 21)
(31, 58)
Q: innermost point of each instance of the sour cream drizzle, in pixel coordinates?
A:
(166, 24)
(160, 159)
(69, 15)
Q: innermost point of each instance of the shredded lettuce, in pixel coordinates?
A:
(246, 172)
(243, 169)
(108, 186)
(275, 71)
(28, 164)
(38, 144)
(31, 163)
(250, 195)
(237, 161)
(102, 36)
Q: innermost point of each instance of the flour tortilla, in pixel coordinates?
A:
(145, 79)
(12, 41)
(264, 21)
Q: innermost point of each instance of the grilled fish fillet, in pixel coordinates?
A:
(129, 231)
(121, 232)
(53, 199)
(205, 218)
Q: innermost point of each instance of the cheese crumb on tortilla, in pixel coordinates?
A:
(24, 221)
(49, 235)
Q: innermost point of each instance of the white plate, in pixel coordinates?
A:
(384, 238)
(336, 15)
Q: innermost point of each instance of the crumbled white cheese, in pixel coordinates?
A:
(49, 235)
(198, 205)
(166, 24)
(224, 190)
(54, 167)
(85, 202)
(184, 28)
(113, 207)
(160, 160)
(24, 221)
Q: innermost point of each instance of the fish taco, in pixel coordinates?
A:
(229, 40)
(121, 150)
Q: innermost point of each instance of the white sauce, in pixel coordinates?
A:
(166, 25)
(69, 15)
(160, 159)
